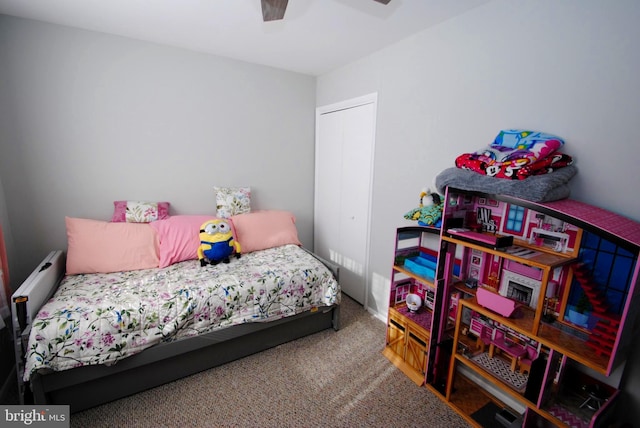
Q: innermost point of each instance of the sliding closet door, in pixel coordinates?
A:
(344, 159)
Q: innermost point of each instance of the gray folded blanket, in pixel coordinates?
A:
(536, 188)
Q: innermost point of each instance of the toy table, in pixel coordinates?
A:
(512, 350)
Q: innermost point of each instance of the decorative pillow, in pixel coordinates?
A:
(139, 212)
(260, 230)
(232, 201)
(99, 246)
(178, 237)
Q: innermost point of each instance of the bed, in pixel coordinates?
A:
(83, 339)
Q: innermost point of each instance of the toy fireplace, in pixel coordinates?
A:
(520, 288)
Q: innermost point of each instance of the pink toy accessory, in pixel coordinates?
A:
(495, 302)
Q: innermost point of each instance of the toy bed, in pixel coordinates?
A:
(105, 335)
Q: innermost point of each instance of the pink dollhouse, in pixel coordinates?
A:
(504, 280)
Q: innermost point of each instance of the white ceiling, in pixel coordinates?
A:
(315, 36)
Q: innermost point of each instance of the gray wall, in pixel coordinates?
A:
(90, 118)
(567, 67)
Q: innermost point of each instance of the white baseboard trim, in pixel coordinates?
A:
(381, 317)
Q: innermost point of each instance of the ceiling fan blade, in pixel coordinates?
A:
(273, 10)
(383, 1)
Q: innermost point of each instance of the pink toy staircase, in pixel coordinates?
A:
(604, 333)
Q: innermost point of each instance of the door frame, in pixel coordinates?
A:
(371, 98)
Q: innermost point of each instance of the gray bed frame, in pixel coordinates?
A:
(89, 386)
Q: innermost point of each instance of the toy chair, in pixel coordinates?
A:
(498, 335)
(527, 359)
(484, 339)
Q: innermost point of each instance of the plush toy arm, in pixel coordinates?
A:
(201, 257)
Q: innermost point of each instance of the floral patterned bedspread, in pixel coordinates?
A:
(103, 318)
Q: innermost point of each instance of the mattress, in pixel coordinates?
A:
(103, 318)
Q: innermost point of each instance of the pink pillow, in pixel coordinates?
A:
(260, 230)
(179, 237)
(139, 212)
(99, 247)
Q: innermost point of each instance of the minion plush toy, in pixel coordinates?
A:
(216, 242)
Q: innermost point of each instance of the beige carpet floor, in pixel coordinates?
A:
(329, 379)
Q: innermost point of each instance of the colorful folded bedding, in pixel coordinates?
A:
(103, 318)
(517, 154)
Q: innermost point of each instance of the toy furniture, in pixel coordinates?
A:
(525, 361)
(513, 350)
(532, 267)
(483, 333)
(409, 333)
(495, 302)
